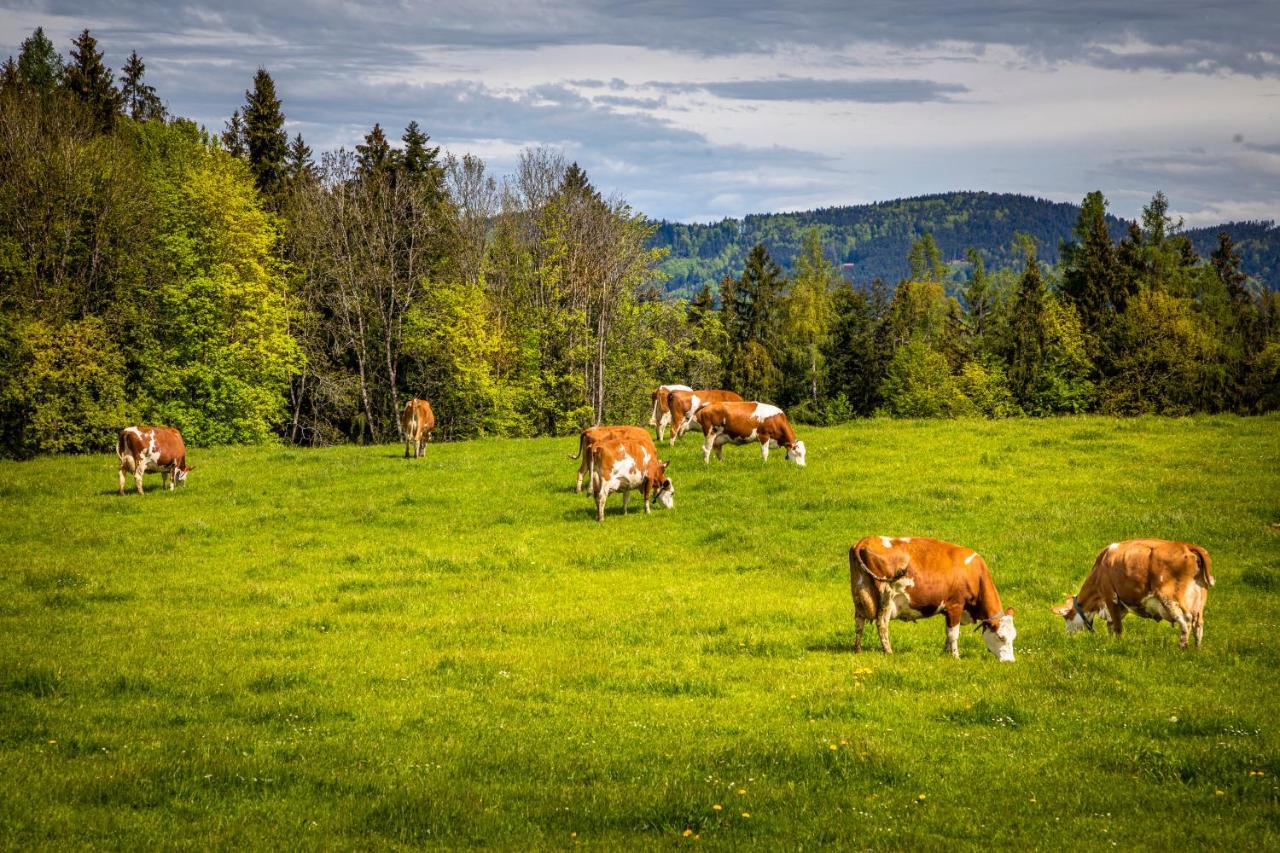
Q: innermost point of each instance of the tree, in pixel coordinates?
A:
(925, 260)
(39, 68)
(417, 161)
(918, 384)
(1091, 276)
(809, 309)
(90, 81)
(978, 299)
(1162, 352)
(232, 137)
(753, 321)
(375, 155)
(299, 166)
(266, 142)
(140, 100)
(1046, 352)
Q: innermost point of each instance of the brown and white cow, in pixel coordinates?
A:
(156, 448)
(660, 417)
(416, 423)
(1154, 578)
(684, 405)
(913, 578)
(743, 423)
(623, 464)
(591, 435)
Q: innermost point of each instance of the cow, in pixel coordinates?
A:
(1154, 578)
(913, 578)
(590, 435)
(742, 423)
(416, 423)
(685, 404)
(660, 417)
(623, 464)
(159, 448)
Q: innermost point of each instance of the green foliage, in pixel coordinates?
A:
(63, 387)
(919, 384)
(265, 141)
(88, 80)
(1162, 353)
(987, 389)
(39, 68)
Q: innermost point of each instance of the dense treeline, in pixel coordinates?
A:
(873, 239)
(236, 287)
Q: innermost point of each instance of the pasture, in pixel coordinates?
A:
(341, 648)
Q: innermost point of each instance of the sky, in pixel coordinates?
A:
(695, 111)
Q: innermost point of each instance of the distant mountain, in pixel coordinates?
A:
(872, 240)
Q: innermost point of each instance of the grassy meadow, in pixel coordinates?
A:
(340, 648)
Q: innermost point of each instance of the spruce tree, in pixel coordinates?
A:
(91, 82)
(39, 67)
(9, 75)
(701, 304)
(418, 161)
(233, 136)
(1027, 334)
(979, 298)
(925, 260)
(1091, 275)
(140, 101)
(375, 155)
(266, 142)
(1226, 263)
(299, 166)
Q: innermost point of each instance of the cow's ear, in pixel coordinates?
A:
(1008, 611)
(1061, 609)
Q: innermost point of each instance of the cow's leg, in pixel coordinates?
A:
(1197, 625)
(859, 623)
(626, 498)
(1177, 617)
(121, 493)
(707, 444)
(170, 477)
(952, 646)
(882, 627)
(582, 472)
(602, 495)
(1115, 613)
(139, 468)
(764, 450)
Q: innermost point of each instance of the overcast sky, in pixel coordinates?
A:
(706, 109)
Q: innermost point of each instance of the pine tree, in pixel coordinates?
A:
(418, 161)
(91, 81)
(1226, 263)
(925, 260)
(375, 155)
(1091, 276)
(299, 166)
(39, 67)
(1027, 333)
(140, 101)
(979, 298)
(9, 75)
(701, 304)
(233, 136)
(265, 139)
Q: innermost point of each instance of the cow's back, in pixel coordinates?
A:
(161, 445)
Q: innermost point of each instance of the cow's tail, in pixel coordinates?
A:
(1203, 574)
(596, 479)
(653, 415)
(582, 444)
(120, 445)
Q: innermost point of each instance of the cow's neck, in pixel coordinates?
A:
(1090, 596)
(988, 605)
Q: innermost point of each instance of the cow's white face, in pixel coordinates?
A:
(796, 453)
(180, 474)
(999, 639)
(1073, 619)
(667, 494)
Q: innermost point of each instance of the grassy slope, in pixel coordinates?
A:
(339, 647)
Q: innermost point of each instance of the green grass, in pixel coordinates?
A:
(341, 648)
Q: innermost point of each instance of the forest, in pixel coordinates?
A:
(873, 240)
(240, 287)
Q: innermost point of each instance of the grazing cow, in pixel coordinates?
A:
(591, 435)
(1154, 578)
(911, 579)
(623, 464)
(416, 423)
(685, 404)
(742, 423)
(159, 448)
(661, 415)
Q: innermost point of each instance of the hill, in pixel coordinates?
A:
(873, 239)
(340, 648)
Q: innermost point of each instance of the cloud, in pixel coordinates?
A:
(867, 91)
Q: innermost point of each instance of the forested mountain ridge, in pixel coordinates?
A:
(873, 239)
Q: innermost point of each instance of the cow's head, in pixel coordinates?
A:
(1074, 616)
(998, 633)
(796, 453)
(666, 491)
(180, 474)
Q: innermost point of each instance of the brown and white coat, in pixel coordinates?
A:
(912, 578)
(684, 406)
(592, 435)
(624, 464)
(1154, 578)
(156, 448)
(416, 423)
(660, 417)
(743, 423)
